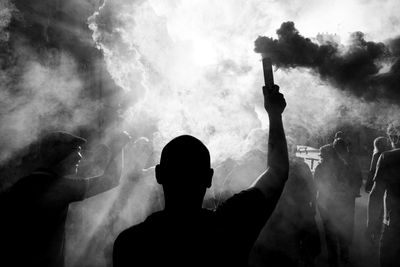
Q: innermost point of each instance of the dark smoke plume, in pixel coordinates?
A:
(356, 67)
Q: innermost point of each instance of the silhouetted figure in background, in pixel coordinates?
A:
(37, 205)
(387, 179)
(136, 186)
(184, 234)
(291, 236)
(351, 182)
(339, 134)
(381, 144)
(331, 190)
(353, 169)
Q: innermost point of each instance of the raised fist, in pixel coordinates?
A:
(118, 141)
(274, 102)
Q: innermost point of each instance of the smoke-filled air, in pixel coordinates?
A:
(161, 68)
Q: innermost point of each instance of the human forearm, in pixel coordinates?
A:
(278, 158)
(271, 182)
(108, 180)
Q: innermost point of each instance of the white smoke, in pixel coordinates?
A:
(40, 93)
(192, 68)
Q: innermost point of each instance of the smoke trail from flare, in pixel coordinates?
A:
(357, 67)
(189, 67)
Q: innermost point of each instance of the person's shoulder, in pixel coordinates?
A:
(319, 167)
(128, 238)
(252, 192)
(136, 231)
(299, 165)
(129, 234)
(388, 158)
(391, 155)
(245, 198)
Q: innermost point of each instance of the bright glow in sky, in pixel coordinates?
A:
(193, 66)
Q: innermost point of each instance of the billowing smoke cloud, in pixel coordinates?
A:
(51, 76)
(7, 10)
(45, 96)
(194, 71)
(182, 67)
(365, 68)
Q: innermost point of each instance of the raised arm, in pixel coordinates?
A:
(112, 173)
(272, 181)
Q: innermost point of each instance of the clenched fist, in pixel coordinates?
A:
(274, 102)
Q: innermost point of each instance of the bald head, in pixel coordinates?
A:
(185, 150)
(184, 172)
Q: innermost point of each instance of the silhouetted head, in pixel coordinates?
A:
(339, 134)
(184, 172)
(60, 151)
(340, 146)
(393, 131)
(327, 152)
(381, 144)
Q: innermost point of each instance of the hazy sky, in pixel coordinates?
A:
(194, 65)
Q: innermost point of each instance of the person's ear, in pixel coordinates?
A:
(209, 177)
(159, 174)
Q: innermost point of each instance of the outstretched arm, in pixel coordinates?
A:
(272, 181)
(112, 173)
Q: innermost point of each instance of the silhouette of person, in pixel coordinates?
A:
(351, 182)
(331, 191)
(381, 144)
(386, 180)
(339, 134)
(37, 205)
(353, 170)
(291, 237)
(185, 234)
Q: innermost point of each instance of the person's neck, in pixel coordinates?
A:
(182, 210)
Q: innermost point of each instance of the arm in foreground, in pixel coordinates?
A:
(112, 173)
(272, 181)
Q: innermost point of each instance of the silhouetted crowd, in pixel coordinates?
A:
(282, 209)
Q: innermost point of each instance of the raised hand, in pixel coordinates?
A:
(274, 102)
(118, 142)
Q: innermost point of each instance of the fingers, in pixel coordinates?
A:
(275, 89)
(274, 101)
(273, 92)
(267, 90)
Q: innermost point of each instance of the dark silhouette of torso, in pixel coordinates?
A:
(222, 237)
(291, 235)
(389, 173)
(34, 226)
